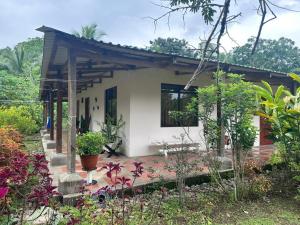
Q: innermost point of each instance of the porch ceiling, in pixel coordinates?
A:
(96, 60)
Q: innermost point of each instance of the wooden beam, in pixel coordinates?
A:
(51, 100)
(71, 149)
(183, 73)
(59, 119)
(96, 75)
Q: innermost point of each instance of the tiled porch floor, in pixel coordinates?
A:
(154, 166)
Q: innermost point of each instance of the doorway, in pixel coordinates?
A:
(264, 132)
(87, 108)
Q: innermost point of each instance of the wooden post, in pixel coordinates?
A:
(48, 112)
(72, 111)
(59, 120)
(45, 114)
(51, 116)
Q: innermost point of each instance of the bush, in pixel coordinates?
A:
(10, 141)
(90, 143)
(25, 183)
(23, 118)
(257, 184)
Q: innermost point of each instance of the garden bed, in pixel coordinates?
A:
(33, 143)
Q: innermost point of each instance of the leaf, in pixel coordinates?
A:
(269, 104)
(294, 77)
(262, 92)
(268, 87)
(293, 111)
(279, 92)
(261, 114)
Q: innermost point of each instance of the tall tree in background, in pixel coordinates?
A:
(172, 46)
(14, 59)
(90, 32)
(279, 55)
(218, 15)
(20, 72)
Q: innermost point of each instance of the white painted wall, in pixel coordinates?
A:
(123, 99)
(145, 110)
(139, 101)
(256, 123)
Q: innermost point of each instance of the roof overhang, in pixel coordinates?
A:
(97, 60)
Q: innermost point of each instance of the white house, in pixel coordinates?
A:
(138, 84)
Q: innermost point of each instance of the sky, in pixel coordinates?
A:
(128, 21)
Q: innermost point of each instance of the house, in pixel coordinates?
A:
(100, 79)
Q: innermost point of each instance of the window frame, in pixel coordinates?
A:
(110, 95)
(177, 89)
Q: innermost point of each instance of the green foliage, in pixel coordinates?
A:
(90, 32)
(205, 6)
(172, 46)
(111, 130)
(20, 72)
(238, 107)
(236, 98)
(23, 118)
(282, 111)
(88, 214)
(33, 49)
(279, 55)
(90, 143)
(15, 59)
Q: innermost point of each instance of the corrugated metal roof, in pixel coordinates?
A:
(147, 52)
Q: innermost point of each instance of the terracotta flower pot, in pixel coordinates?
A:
(89, 162)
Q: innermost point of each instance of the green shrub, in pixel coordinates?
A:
(90, 143)
(34, 111)
(20, 118)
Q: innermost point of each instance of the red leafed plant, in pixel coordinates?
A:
(119, 205)
(25, 182)
(122, 183)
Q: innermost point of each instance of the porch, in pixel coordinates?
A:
(155, 166)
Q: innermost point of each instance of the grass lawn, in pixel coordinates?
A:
(268, 211)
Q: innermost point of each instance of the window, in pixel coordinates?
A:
(111, 105)
(175, 98)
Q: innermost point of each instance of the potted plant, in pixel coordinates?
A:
(89, 145)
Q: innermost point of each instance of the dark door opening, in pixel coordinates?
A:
(264, 133)
(77, 113)
(87, 108)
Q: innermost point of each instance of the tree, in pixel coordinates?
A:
(33, 48)
(90, 32)
(14, 59)
(238, 105)
(20, 72)
(279, 55)
(172, 46)
(218, 15)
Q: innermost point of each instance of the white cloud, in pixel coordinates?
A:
(125, 23)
